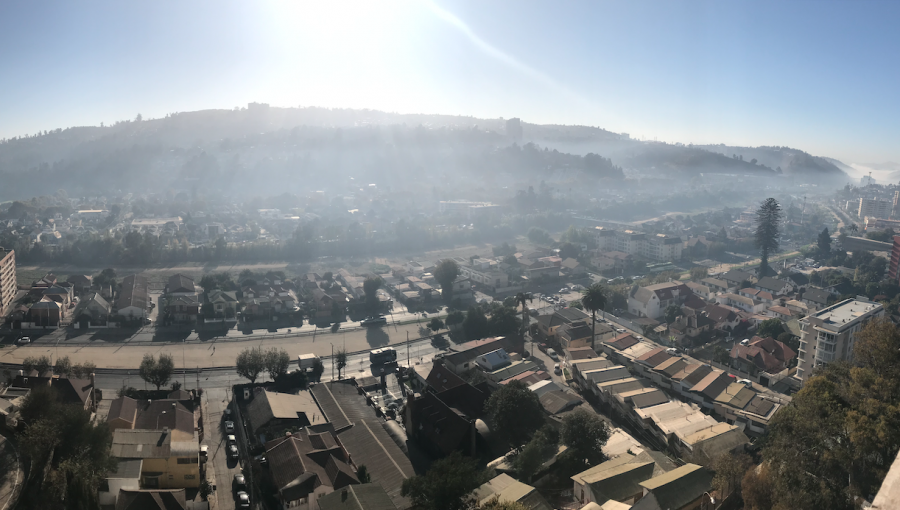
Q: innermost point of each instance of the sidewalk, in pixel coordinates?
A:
(215, 352)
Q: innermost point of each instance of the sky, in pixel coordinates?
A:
(821, 76)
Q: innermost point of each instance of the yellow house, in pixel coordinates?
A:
(165, 463)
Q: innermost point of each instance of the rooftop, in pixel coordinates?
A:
(843, 315)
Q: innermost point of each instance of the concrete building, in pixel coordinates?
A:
(657, 247)
(875, 208)
(7, 279)
(830, 334)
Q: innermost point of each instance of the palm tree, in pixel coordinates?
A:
(593, 298)
(521, 299)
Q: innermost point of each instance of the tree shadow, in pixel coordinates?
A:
(171, 335)
(377, 337)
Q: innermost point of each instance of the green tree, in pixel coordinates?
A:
(250, 363)
(699, 273)
(838, 437)
(340, 360)
(730, 469)
(824, 243)
(768, 220)
(515, 413)
(522, 299)
(529, 460)
(318, 368)
(363, 474)
(157, 371)
(672, 312)
(447, 485)
(83, 370)
(277, 362)
(455, 318)
(475, 325)
(496, 504)
(539, 236)
(436, 325)
(593, 298)
(370, 287)
(445, 273)
(503, 322)
(770, 328)
(63, 366)
(41, 364)
(585, 434)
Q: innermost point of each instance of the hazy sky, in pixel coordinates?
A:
(820, 76)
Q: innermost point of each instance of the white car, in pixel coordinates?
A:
(620, 330)
(24, 340)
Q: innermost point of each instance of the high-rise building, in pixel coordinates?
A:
(896, 211)
(830, 334)
(875, 208)
(894, 266)
(7, 280)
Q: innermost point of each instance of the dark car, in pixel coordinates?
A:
(239, 483)
(373, 321)
(229, 427)
(542, 347)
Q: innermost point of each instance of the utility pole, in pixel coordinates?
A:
(407, 349)
(184, 363)
(332, 362)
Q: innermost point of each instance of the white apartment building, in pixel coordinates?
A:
(7, 280)
(873, 207)
(659, 247)
(829, 334)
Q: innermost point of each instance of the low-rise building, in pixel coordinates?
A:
(165, 462)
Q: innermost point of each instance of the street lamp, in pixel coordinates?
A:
(712, 500)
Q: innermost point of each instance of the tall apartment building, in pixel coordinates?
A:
(659, 247)
(830, 334)
(7, 280)
(874, 207)
(896, 211)
(894, 265)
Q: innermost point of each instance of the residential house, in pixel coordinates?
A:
(775, 286)
(133, 301)
(271, 413)
(579, 353)
(651, 301)
(744, 303)
(815, 298)
(716, 285)
(367, 496)
(182, 309)
(223, 303)
(46, 313)
(780, 312)
(762, 355)
(166, 463)
(181, 285)
(578, 334)
(307, 464)
(549, 324)
(493, 360)
(92, 311)
(724, 319)
(462, 357)
(173, 414)
(708, 388)
(736, 279)
(80, 282)
(558, 401)
(701, 290)
(505, 488)
(682, 488)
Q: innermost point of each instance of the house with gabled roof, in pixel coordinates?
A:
(181, 285)
(680, 489)
(774, 286)
(133, 301)
(307, 464)
(618, 479)
(652, 300)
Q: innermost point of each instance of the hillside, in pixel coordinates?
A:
(256, 149)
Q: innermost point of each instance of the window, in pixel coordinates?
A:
(190, 477)
(188, 460)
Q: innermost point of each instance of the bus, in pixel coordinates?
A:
(383, 356)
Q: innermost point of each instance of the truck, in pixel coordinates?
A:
(306, 361)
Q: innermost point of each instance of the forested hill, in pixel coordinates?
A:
(788, 160)
(258, 149)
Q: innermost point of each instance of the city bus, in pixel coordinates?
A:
(383, 356)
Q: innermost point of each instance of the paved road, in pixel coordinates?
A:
(215, 352)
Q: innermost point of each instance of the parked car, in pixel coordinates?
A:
(230, 439)
(552, 354)
(620, 330)
(542, 347)
(239, 483)
(556, 369)
(229, 427)
(563, 290)
(242, 500)
(233, 452)
(204, 453)
(24, 340)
